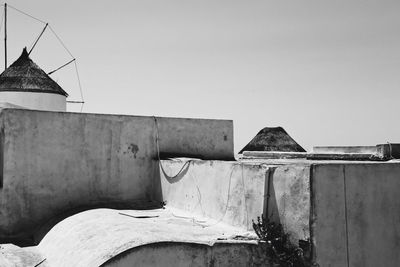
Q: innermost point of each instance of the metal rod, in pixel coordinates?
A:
(40, 262)
(69, 62)
(40, 35)
(5, 35)
(76, 102)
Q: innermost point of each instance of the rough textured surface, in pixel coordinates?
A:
(81, 161)
(93, 237)
(273, 139)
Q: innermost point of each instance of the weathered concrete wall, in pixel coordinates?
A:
(355, 214)
(230, 192)
(373, 218)
(59, 162)
(205, 139)
(56, 162)
(195, 255)
(328, 218)
(237, 192)
(289, 201)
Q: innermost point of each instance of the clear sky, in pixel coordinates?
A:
(326, 71)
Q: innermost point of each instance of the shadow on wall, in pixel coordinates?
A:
(178, 176)
(270, 204)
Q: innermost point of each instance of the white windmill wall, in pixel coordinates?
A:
(33, 100)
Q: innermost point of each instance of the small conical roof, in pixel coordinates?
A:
(25, 76)
(273, 139)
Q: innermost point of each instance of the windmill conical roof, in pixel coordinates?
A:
(25, 76)
(273, 139)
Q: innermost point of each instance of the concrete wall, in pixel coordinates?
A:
(205, 139)
(352, 207)
(289, 202)
(355, 214)
(55, 163)
(237, 192)
(186, 254)
(39, 101)
(230, 192)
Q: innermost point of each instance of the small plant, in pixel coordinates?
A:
(279, 248)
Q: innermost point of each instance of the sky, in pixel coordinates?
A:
(326, 71)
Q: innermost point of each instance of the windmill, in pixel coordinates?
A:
(25, 84)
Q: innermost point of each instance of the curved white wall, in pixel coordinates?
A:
(39, 101)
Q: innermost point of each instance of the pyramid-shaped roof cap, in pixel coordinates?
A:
(273, 139)
(25, 76)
